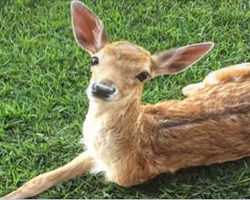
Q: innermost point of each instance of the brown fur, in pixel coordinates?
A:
(131, 143)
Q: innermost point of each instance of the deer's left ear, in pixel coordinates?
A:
(177, 60)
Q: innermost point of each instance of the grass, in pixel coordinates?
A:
(44, 74)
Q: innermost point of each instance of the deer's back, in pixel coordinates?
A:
(211, 126)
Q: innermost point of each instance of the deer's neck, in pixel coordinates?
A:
(114, 120)
(110, 131)
(128, 111)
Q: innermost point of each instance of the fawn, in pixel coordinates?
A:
(131, 143)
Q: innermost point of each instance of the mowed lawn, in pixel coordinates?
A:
(44, 75)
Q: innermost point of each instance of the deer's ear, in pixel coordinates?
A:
(88, 29)
(177, 60)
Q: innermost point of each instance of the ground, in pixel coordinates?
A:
(44, 75)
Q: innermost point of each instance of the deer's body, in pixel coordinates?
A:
(144, 141)
(131, 143)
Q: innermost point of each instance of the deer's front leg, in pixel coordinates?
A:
(235, 73)
(43, 182)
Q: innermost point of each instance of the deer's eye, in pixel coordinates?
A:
(142, 76)
(95, 60)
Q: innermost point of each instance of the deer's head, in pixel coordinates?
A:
(120, 69)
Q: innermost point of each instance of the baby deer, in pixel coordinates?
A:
(131, 143)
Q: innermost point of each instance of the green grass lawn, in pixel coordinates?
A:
(44, 75)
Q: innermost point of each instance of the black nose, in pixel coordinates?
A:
(103, 89)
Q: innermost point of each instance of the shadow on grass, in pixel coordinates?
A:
(200, 181)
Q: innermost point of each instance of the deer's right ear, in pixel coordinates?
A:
(88, 29)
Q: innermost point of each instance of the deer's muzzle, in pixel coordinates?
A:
(104, 89)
